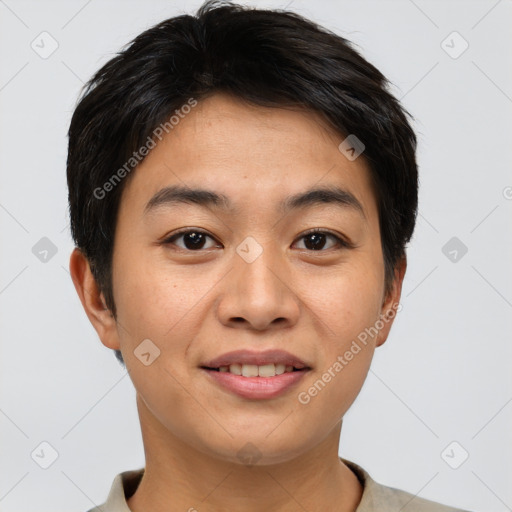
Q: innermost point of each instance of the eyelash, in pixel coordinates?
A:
(342, 243)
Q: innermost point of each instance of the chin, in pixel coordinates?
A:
(258, 450)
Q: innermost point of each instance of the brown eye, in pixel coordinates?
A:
(317, 240)
(193, 240)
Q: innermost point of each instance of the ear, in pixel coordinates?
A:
(93, 300)
(391, 304)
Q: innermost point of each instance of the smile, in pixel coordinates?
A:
(253, 370)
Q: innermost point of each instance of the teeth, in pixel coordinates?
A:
(280, 368)
(253, 370)
(267, 370)
(249, 370)
(235, 368)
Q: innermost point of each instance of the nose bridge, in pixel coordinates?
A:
(257, 266)
(256, 289)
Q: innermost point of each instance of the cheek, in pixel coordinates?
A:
(153, 298)
(154, 304)
(347, 309)
(347, 303)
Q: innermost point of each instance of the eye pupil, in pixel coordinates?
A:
(318, 241)
(197, 239)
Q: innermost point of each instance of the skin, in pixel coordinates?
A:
(198, 304)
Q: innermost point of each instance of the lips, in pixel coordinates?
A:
(248, 357)
(255, 375)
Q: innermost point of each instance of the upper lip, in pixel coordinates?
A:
(258, 358)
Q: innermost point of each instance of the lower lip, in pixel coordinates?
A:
(256, 388)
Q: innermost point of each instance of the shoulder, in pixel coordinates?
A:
(123, 486)
(398, 500)
(388, 499)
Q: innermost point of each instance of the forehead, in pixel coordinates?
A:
(242, 150)
(222, 123)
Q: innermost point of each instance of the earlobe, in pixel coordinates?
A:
(93, 300)
(391, 304)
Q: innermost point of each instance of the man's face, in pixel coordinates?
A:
(251, 278)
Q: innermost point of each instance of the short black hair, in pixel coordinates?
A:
(270, 58)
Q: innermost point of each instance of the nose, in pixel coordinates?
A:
(258, 295)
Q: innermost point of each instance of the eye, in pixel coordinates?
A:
(315, 240)
(193, 239)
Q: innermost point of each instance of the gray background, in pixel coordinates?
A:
(444, 373)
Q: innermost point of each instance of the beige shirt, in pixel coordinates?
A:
(375, 498)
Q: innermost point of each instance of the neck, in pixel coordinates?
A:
(178, 477)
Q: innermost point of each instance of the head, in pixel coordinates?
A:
(237, 124)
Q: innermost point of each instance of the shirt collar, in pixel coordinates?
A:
(125, 484)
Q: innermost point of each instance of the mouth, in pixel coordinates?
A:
(250, 363)
(256, 375)
(253, 370)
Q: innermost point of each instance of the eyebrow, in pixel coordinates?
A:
(179, 194)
